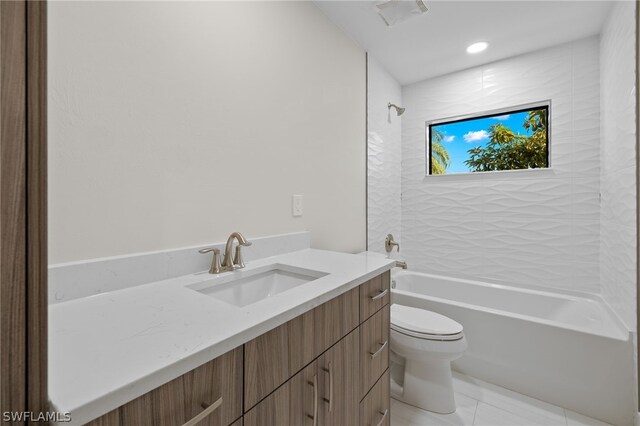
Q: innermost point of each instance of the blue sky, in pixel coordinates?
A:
(461, 137)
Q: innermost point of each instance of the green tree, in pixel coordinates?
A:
(439, 154)
(509, 151)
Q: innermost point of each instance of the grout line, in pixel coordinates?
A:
(473, 422)
(509, 396)
(524, 404)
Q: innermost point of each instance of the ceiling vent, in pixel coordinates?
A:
(393, 12)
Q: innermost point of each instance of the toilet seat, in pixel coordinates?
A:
(422, 324)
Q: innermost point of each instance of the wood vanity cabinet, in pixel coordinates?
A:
(274, 357)
(328, 366)
(374, 349)
(182, 399)
(338, 371)
(293, 403)
(321, 394)
(375, 407)
(350, 340)
(374, 294)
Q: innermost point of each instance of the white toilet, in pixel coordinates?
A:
(423, 344)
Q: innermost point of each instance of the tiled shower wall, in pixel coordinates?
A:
(618, 168)
(384, 166)
(537, 228)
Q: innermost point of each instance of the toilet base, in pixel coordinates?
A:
(427, 385)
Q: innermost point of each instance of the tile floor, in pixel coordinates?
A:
(483, 404)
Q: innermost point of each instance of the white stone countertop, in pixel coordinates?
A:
(111, 348)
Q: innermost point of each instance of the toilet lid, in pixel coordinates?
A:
(422, 322)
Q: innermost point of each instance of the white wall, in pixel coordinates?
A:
(172, 124)
(538, 228)
(384, 167)
(618, 162)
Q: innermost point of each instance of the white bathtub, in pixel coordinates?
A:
(565, 348)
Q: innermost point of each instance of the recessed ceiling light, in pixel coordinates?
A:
(477, 47)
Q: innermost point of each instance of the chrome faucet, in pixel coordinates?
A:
(237, 263)
(227, 263)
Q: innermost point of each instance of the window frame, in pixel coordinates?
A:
(546, 105)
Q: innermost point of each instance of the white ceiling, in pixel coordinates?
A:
(434, 43)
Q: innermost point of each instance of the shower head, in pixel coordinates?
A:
(399, 110)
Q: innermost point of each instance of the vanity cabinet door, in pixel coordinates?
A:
(220, 378)
(374, 349)
(375, 407)
(272, 358)
(304, 400)
(163, 406)
(374, 294)
(335, 319)
(271, 411)
(338, 372)
(295, 403)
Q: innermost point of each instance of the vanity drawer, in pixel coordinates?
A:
(182, 399)
(374, 349)
(220, 378)
(163, 406)
(374, 294)
(375, 408)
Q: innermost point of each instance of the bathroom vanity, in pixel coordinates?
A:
(325, 365)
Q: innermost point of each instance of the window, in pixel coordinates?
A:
(515, 139)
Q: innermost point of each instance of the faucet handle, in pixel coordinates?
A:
(237, 259)
(215, 262)
(389, 243)
(208, 250)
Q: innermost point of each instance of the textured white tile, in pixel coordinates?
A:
(585, 198)
(618, 184)
(586, 88)
(585, 154)
(528, 78)
(622, 196)
(531, 228)
(542, 198)
(383, 158)
(562, 160)
(562, 114)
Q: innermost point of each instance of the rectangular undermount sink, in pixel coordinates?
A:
(245, 287)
